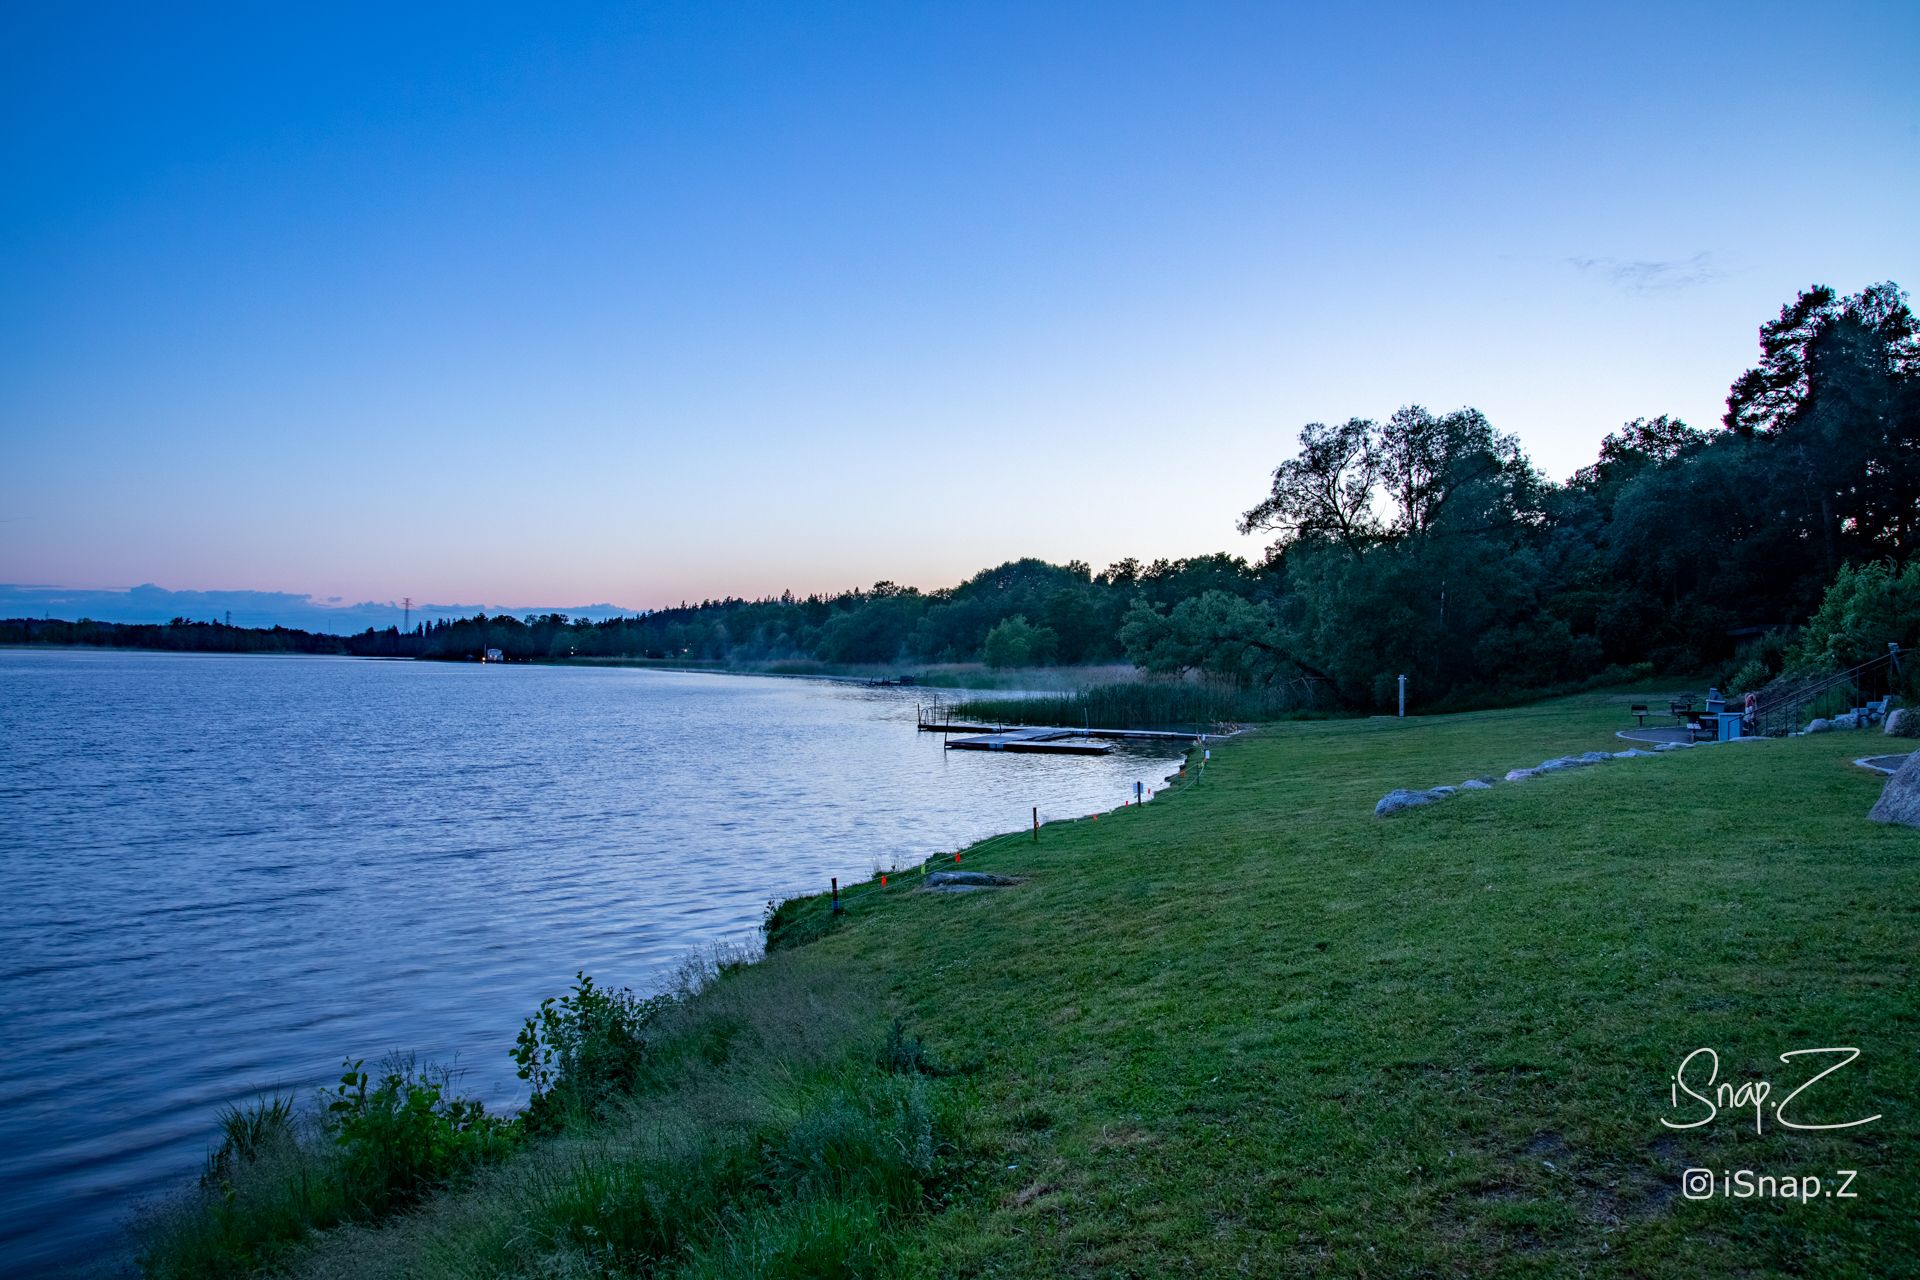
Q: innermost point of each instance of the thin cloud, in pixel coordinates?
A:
(1653, 275)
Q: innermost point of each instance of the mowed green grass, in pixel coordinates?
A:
(1251, 1029)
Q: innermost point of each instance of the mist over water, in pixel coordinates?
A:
(222, 874)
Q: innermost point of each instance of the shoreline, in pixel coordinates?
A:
(1152, 1023)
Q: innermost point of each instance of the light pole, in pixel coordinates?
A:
(1403, 697)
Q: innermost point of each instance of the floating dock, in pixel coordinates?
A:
(1064, 742)
(1060, 742)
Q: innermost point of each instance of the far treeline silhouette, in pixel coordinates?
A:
(1426, 544)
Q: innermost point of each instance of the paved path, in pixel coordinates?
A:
(1654, 733)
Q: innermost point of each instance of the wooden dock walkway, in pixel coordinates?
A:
(1062, 742)
(1066, 742)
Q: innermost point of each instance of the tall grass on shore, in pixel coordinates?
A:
(740, 1133)
(1142, 705)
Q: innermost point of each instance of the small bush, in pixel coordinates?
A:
(1750, 677)
(406, 1133)
(278, 1174)
(582, 1050)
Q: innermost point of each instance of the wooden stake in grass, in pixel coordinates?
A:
(836, 895)
(1036, 824)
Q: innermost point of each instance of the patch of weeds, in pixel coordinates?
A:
(905, 1055)
(799, 921)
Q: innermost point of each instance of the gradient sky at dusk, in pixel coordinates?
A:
(636, 303)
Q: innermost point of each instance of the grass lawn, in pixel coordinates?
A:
(1251, 1029)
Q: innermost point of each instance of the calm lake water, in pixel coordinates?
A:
(224, 873)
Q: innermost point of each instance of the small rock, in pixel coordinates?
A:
(1669, 746)
(1847, 720)
(1521, 775)
(1443, 791)
(1631, 753)
(1595, 757)
(1394, 801)
(1818, 726)
(1476, 784)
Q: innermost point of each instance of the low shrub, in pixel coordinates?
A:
(583, 1050)
(405, 1133)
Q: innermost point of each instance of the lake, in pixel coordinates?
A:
(225, 873)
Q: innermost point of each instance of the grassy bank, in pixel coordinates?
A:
(1251, 1029)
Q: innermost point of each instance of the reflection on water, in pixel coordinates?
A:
(224, 873)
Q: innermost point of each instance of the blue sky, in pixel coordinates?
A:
(650, 302)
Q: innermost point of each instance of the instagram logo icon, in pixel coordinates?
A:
(1697, 1184)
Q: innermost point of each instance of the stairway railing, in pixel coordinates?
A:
(1787, 710)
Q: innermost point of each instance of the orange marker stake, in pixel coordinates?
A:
(956, 857)
(883, 882)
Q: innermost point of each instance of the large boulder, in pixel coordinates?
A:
(1902, 723)
(1900, 799)
(1395, 801)
(1818, 726)
(963, 882)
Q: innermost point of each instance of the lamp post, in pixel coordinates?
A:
(1403, 697)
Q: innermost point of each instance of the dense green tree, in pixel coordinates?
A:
(1015, 642)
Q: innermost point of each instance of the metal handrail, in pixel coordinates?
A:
(1779, 714)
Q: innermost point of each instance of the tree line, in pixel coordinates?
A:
(1423, 543)
(185, 635)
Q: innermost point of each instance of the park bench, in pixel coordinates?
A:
(1639, 713)
(1681, 709)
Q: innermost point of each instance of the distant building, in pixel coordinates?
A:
(494, 655)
